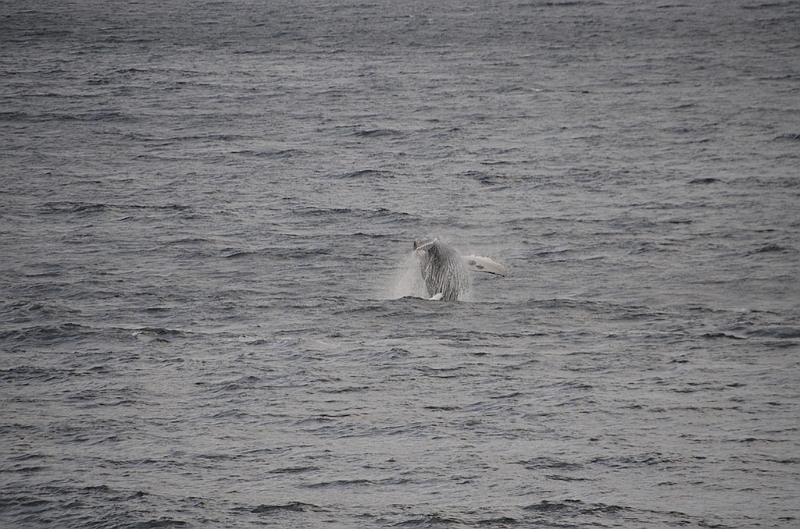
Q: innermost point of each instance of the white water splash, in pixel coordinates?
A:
(408, 279)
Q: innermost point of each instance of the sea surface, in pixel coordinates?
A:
(210, 315)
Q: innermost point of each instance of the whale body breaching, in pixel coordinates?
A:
(446, 272)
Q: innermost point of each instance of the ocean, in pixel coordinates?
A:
(211, 316)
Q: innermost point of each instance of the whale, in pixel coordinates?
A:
(446, 272)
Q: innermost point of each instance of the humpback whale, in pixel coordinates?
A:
(446, 272)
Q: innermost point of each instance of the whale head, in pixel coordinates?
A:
(443, 269)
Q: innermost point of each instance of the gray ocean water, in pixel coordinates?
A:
(209, 311)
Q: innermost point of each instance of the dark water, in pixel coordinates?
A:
(209, 312)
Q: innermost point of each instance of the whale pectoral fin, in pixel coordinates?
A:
(484, 264)
(436, 297)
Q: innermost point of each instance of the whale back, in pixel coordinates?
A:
(443, 269)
